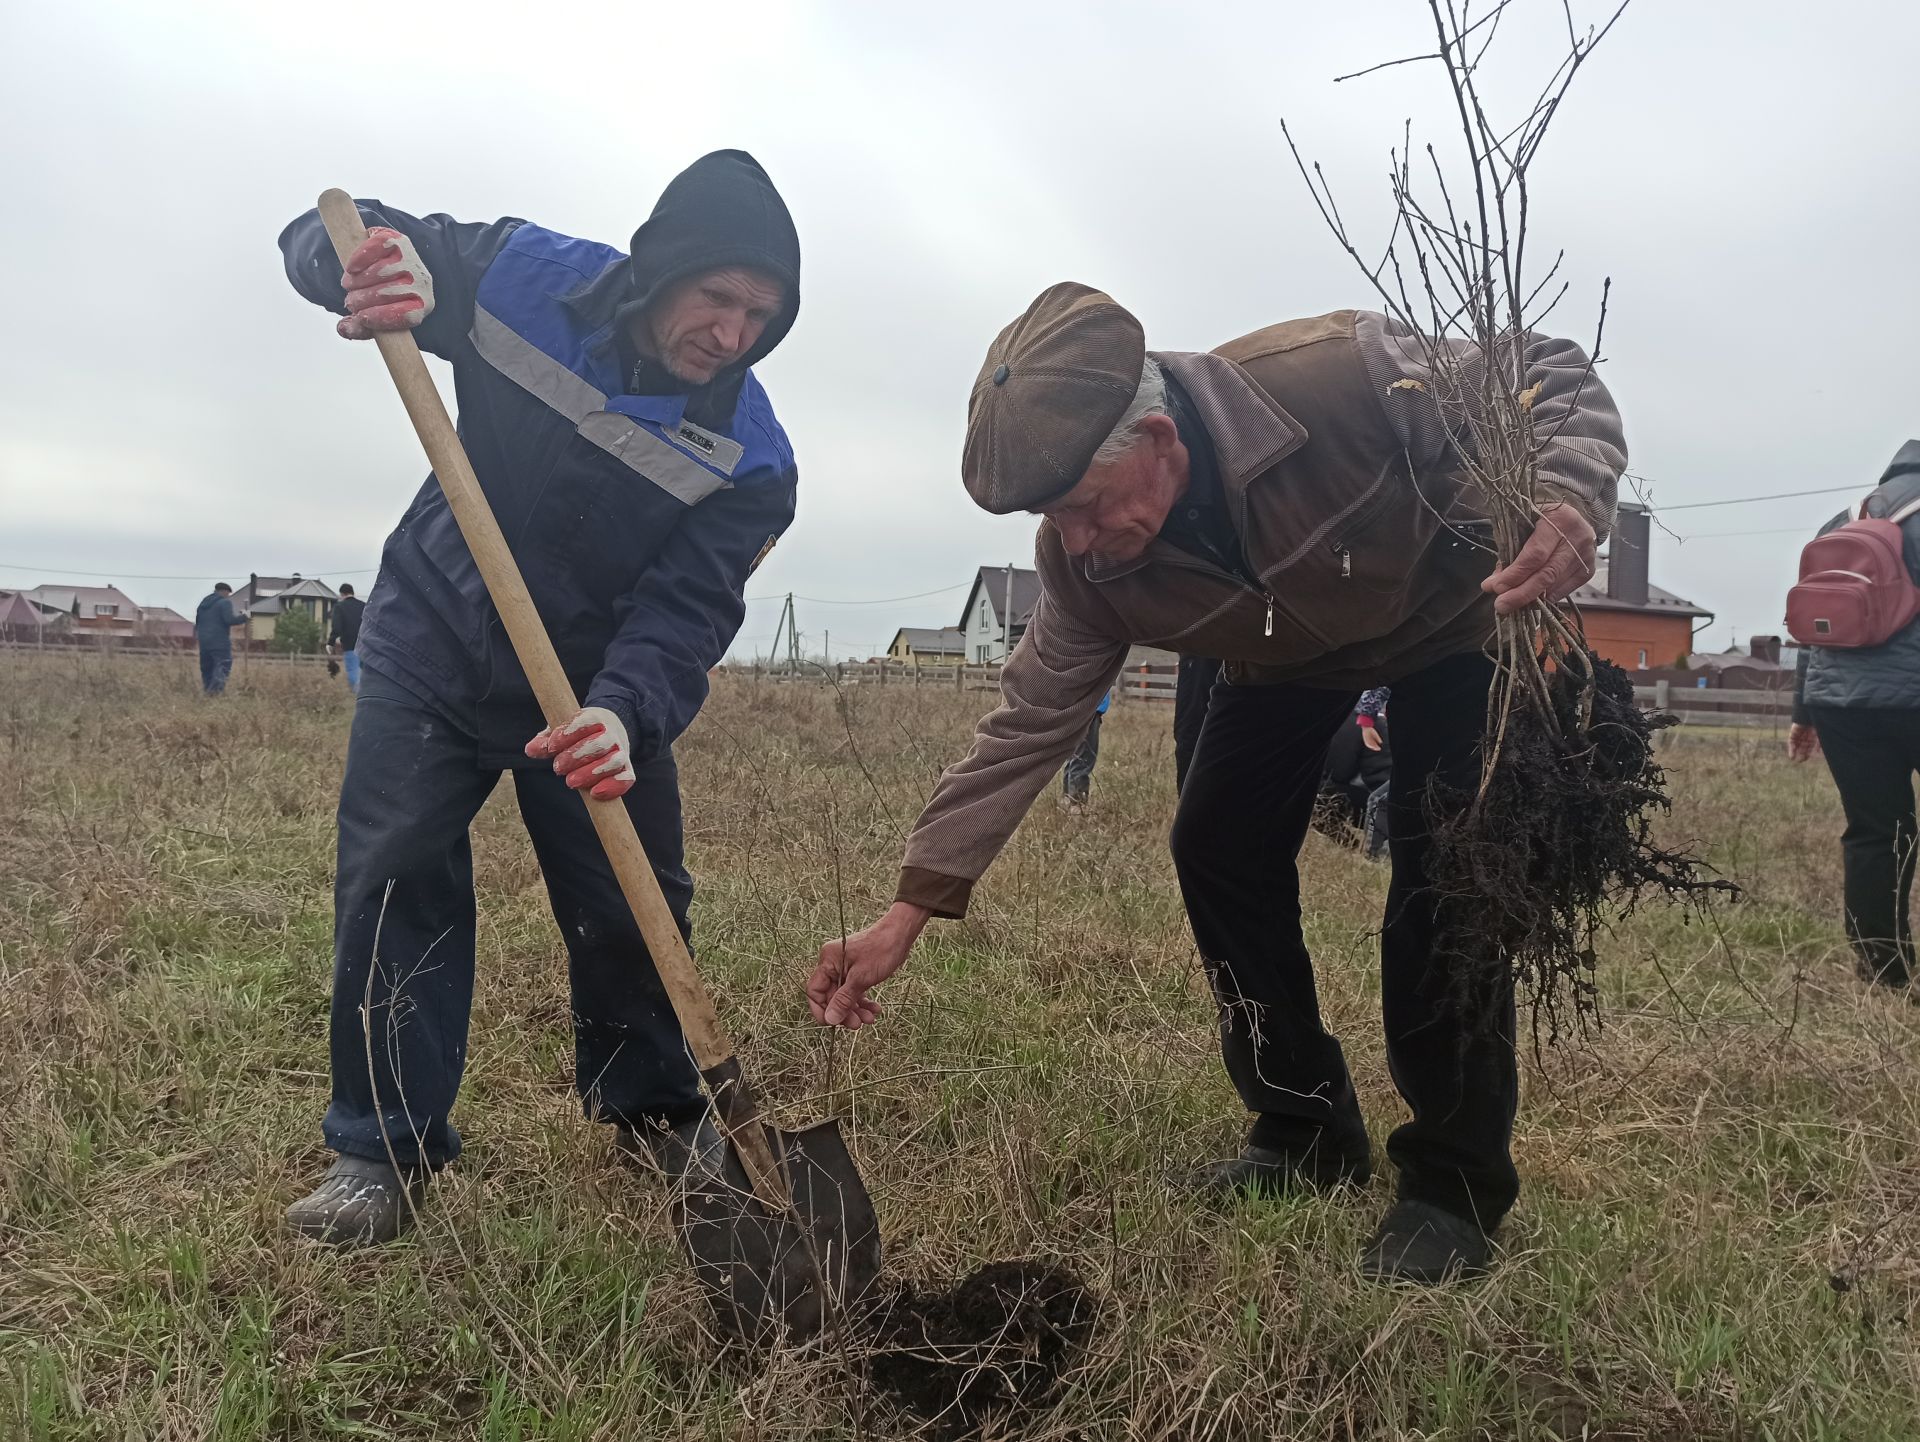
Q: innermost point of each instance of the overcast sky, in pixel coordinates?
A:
(1744, 173)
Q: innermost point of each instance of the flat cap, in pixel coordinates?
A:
(1054, 385)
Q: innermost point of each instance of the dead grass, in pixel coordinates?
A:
(1716, 1237)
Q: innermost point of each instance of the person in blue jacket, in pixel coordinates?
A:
(1076, 779)
(609, 407)
(213, 622)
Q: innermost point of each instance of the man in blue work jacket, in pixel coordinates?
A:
(637, 469)
(213, 623)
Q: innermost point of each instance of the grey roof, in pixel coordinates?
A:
(19, 609)
(263, 595)
(60, 597)
(1594, 596)
(1026, 593)
(932, 639)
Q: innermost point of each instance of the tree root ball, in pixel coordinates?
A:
(1000, 1341)
(1558, 840)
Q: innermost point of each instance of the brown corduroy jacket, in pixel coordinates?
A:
(1343, 484)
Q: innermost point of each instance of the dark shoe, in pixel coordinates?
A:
(1419, 1243)
(1263, 1172)
(673, 1152)
(361, 1203)
(1881, 965)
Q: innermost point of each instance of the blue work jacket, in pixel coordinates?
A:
(634, 527)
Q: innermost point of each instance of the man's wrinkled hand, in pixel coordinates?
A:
(388, 286)
(850, 968)
(1556, 561)
(590, 751)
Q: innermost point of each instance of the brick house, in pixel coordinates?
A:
(91, 611)
(1633, 623)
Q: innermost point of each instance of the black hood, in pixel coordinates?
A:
(1905, 461)
(722, 210)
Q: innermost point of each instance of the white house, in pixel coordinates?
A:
(991, 627)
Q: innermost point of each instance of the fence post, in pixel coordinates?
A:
(1662, 695)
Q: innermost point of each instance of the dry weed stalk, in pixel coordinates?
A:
(1559, 825)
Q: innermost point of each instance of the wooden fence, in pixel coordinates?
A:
(1713, 706)
(114, 650)
(1137, 683)
(1703, 705)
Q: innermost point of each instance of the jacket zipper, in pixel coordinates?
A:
(1193, 563)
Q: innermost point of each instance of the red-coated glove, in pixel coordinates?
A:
(590, 751)
(388, 288)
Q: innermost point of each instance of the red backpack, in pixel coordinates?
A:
(1854, 587)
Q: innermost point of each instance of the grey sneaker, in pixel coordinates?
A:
(360, 1203)
(1420, 1243)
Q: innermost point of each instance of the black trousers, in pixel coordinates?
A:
(1192, 685)
(1873, 754)
(403, 940)
(1244, 812)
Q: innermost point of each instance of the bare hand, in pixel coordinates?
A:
(1556, 561)
(837, 992)
(1803, 743)
(1370, 738)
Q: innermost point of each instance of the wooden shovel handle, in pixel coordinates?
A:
(711, 1047)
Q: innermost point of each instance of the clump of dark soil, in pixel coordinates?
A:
(1560, 831)
(1001, 1341)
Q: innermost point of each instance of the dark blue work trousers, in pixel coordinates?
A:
(403, 940)
(214, 669)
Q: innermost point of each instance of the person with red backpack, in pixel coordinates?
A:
(1856, 613)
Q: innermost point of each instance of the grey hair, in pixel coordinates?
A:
(1149, 400)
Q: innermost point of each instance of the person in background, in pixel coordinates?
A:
(1357, 767)
(344, 637)
(1371, 715)
(1076, 779)
(1861, 708)
(213, 623)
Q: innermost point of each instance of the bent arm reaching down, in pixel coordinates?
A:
(1049, 689)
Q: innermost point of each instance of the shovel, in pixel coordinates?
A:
(778, 1225)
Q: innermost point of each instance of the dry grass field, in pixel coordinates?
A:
(1718, 1236)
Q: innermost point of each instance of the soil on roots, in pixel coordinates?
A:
(1562, 831)
(999, 1342)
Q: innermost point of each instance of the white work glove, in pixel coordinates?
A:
(590, 751)
(388, 288)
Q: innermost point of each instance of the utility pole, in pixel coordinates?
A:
(1006, 620)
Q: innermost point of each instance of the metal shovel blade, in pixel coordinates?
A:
(765, 1273)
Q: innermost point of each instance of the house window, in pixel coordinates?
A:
(106, 610)
(1643, 658)
(983, 613)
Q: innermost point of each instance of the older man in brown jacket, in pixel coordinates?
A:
(1292, 503)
